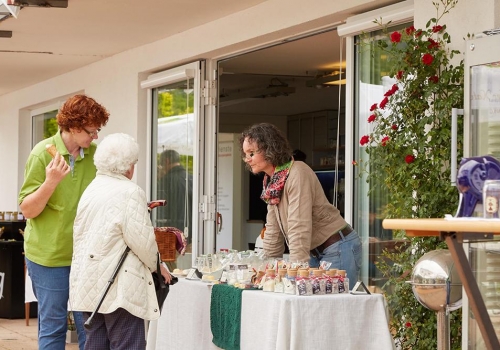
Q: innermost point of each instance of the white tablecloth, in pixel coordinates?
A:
(185, 320)
(274, 321)
(332, 321)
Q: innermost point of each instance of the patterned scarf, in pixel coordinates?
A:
(271, 193)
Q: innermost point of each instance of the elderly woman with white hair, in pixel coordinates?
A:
(113, 214)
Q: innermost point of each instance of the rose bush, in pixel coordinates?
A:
(410, 162)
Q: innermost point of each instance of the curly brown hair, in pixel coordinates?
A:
(270, 140)
(80, 111)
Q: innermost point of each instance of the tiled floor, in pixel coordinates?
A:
(15, 335)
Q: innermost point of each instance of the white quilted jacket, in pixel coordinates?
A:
(112, 214)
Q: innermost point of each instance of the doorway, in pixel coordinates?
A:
(298, 86)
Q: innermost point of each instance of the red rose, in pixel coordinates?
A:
(408, 324)
(427, 59)
(432, 44)
(419, 33)
(399, 74)
(437, 29)
(410, 30)
(409, 159)
(434, 79)
(373, 107)
(364, 140)
(394, 127)
(392, 90)
(385, 140)
(371, 118)
(384, 102)
(396, 37)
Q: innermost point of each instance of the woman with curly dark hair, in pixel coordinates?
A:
(53, 185)
(298, 211)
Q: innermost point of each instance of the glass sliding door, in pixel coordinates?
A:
(371, 82)
(482, 137)
(175, 114)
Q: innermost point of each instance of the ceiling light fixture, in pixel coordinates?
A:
(335, 78)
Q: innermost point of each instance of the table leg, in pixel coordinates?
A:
(471, 288)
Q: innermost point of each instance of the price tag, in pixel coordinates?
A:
(223, 277)
(191, 275)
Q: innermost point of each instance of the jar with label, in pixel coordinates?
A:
(343, 281)
(289, 281)
(491, 199)
(332, 286)
(279, 286)
(269, 282)
(318, 282)
(303, 283)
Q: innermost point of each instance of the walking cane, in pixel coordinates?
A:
(88, 324)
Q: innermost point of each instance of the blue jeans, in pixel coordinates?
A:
(51, 288)
(344, 255)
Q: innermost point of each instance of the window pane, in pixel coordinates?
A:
(44, 126)
(372, 82)
(173, 122)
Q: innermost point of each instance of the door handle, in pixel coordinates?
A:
(219, 221)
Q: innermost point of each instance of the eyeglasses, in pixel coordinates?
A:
(92, 134)
(250, 155)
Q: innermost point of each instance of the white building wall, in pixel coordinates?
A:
(114, 82)
(468, 17)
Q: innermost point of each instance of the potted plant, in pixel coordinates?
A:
(71, 336)
(409, 161)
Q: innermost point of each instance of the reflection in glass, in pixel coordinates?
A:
(484, 257)
(173, 155)
(372, 81)
(44, 126)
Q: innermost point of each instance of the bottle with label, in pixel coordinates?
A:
(269, 282)
(303, 283)
(343, 281)
(279, 286)
(318, 282)
(329, 281)
(289, 282)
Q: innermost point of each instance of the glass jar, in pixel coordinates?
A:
(491, 199)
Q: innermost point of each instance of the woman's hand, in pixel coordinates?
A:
(166, 275)
(35, 202)
(57, 169)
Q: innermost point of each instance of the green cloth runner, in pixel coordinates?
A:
(225, 316)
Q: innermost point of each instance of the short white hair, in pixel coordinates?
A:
(116, 153)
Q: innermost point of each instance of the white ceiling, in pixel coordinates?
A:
(47, 42)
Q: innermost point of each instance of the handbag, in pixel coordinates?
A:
(161, 287)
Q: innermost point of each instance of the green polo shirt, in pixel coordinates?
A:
(48, 238)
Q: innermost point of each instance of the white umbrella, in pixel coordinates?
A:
(176, 133)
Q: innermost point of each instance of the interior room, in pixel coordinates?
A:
(298, 86)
